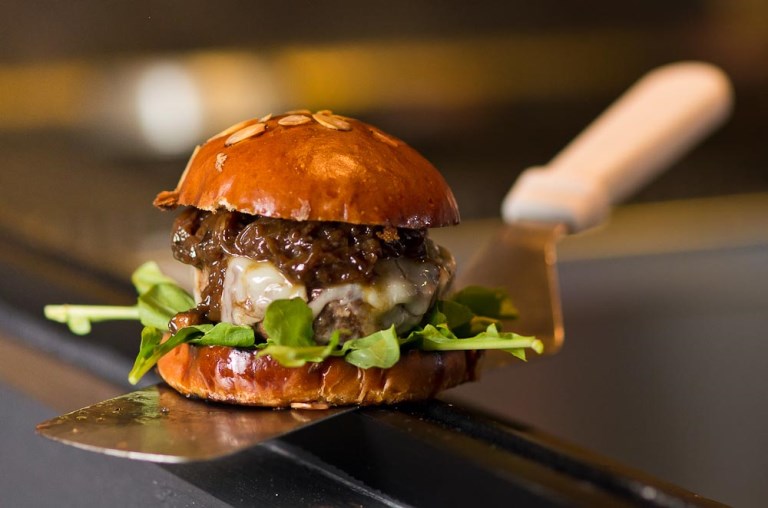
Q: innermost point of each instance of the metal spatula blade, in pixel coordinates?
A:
(159, 425)
(647, 129)
(522, 257)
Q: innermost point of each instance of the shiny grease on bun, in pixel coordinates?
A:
(239, 376)
(318, 167)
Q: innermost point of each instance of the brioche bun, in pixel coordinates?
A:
(240, 376)
(318, 167)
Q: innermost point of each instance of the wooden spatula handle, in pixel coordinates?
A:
(646, 130)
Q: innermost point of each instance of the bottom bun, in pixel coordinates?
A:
(240, 376)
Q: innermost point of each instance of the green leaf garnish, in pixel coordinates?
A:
(469, 320)
(434, 339)
(289, 323)
(380, 349)
(458, 317)
(147, 275)
(296, 356)
(160, 298)
(161, 302)
(224, 334)
(147, 357)
(151, 350)
(488, 302)
(79, 317)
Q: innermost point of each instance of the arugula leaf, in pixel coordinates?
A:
(489, 302)
(289, 323)
(145, 360)
(152, 349)
(225, 334)
(290, 339)
(466, 321)
(429, 332)
(161, 302)
(160, 298)
(458, 317)
(297, 356)
(147, 275)
(79, 317)
(434, 315)
(435, 339)
(380, 349)
(150, 339)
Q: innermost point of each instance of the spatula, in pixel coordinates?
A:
(157, 424)
(644, 132)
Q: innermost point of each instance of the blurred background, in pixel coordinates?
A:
(665, 364)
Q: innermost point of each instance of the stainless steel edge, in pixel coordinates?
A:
(157, 424)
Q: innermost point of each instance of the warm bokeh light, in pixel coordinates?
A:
(169, 107)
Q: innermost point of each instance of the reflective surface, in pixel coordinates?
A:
(521, 259)
(159, 425)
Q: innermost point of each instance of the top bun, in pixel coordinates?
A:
(320, 167)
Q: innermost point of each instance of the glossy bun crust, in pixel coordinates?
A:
(319, 167)
(239, 376)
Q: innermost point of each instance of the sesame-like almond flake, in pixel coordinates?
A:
(332, 122)
(248, 132)
(325, 112)
(265, 118)
(232, 128)
(291, 120)
(167, 199)
(186, 168)
(221, 158)
(384, 138)
(298, 112)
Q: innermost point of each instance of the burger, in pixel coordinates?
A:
(315, 281)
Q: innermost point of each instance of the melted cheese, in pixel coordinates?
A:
(345, 294)
(403, 292)
(250, 286)
(400, 294)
